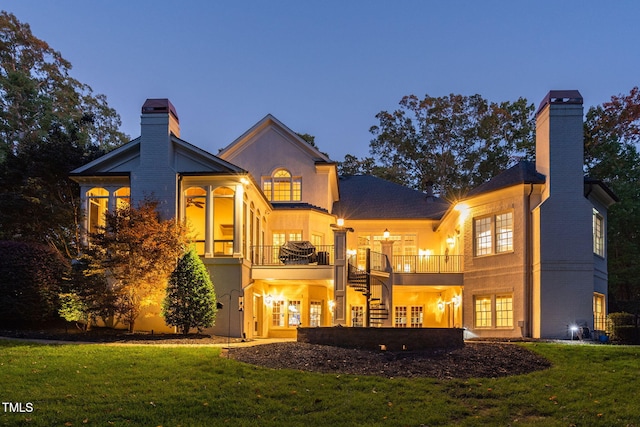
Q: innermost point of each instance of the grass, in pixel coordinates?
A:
(76, 385)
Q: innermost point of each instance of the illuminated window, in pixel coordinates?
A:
(416, 317)
(357, 316)
(498, 307)
(483, 312)
(223, 221)
(504, 232)
(504, 311)
(98, 203)
(598, 234)
(195, 202)
(277, 313)
(599, 313)
(293, 310)
(315, 313)
(401, 317)
(282, 187)
(493, 234)
(123, 197)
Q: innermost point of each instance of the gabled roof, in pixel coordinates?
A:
(188, 158)
(523, 172)
(369, 197)
(246, 138)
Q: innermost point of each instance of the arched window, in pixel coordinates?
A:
(97, 206)
(282, 187)
(123, 197)
(223, 219)
(195, 208)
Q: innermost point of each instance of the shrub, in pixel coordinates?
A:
(191, 300)
(31, 277)
(622, 328)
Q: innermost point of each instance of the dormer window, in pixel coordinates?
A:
(282, 187)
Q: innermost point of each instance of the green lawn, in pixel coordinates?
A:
(192, 386)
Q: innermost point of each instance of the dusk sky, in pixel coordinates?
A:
(327, 67)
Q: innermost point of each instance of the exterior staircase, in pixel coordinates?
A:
(371, 287)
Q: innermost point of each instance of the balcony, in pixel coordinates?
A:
(427, 263)
(290, 255)
(428, 269)
(292, 261)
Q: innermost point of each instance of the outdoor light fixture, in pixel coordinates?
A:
(268, 300)
(573, 329)
(440, 305)
(386, 234)
(456, 300)
(451, 242)
(332, 304)
(340, 222)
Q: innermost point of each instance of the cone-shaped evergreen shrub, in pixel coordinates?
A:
(191, 300)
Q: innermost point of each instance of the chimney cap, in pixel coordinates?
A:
(560, 97)
(159, 106)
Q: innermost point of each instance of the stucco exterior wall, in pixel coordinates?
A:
(497, 274)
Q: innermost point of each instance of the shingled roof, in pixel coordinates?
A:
(369, 197)
(524, 172)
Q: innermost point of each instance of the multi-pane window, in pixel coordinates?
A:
(483, 236)
(282, 187)
(285, 315)
(401, 317)
(483, 312)
(493, 234)
(315, 313)
(504, 311)
(357, 316)
(504, 232)
(490, 307)
(294, 313)
(598, 233)
(280, 237)
(277, 313)
(599, 313)
(416, 317)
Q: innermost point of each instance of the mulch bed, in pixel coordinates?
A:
(474, 360)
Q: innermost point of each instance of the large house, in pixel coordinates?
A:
(290, 243)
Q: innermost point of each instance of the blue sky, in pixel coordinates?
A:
(327, 67)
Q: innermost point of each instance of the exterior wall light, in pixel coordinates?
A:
(385, 234)
(340, 222)
(268, 300)
(451, 242)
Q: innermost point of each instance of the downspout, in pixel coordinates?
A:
(528, 264)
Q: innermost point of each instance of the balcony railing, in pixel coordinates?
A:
(427, 263)
(281, 255)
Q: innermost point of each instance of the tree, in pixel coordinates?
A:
(50, 123)
(457, 142)
(190, 300)
(612, 138)
(138, 251)
(31, 277)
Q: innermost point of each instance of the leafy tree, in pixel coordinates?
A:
(190, 301)
(50, 123)
(455, 141)
(31, 277)
(138, 251)
(612, 138)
